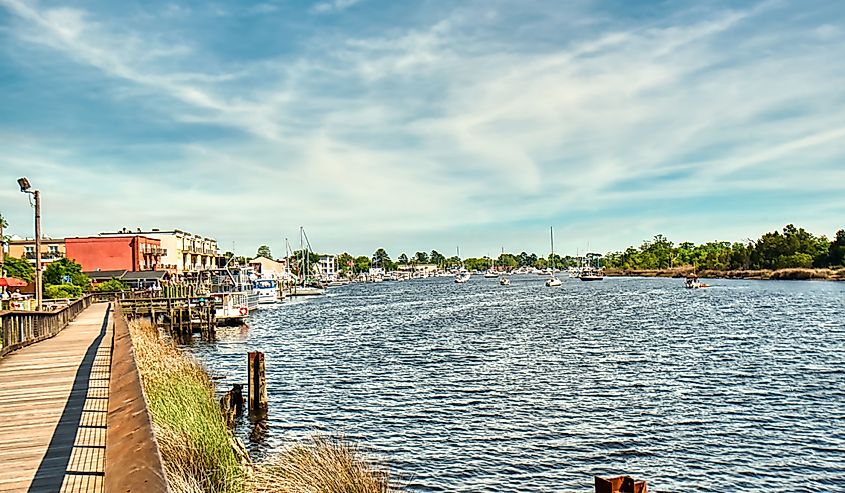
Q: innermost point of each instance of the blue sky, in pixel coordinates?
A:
(420, 125)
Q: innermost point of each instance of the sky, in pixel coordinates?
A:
(425, 125)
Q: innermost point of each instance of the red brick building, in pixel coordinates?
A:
(130, 252)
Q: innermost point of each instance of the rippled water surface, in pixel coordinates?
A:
(479, 387)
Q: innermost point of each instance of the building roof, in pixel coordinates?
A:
(105, 275)
(147, 275)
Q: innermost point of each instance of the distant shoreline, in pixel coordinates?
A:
(798, 274)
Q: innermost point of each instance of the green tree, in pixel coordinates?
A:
(836, 250)
(540, 263)
(345, 263)
(453, 261)
(58, 271)
(112, 285)
(507, 261)
(362, 264)
(403, 259)
(18, 267)
(382, 260)
(421, 258)
(436, 258)
(264, 251)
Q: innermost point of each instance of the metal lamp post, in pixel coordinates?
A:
(26, 187)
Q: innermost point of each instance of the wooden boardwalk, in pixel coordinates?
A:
(53, 408)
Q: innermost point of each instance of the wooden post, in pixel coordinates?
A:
(257, 399)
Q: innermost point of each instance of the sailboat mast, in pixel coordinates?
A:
(552, 234)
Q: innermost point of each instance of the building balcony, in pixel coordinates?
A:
(45, 255)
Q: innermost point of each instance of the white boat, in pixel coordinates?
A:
(267, 291)
(462, 276)
(230, 308)
(490, 274)
(591, 269)
(552, 281)
(307, 291)
(505, 281)
(693, 282)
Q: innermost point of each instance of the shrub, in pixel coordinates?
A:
(59, 291)
(112, 285)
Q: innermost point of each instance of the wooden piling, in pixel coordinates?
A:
(257, 398)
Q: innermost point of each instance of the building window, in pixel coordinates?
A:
(53, 248)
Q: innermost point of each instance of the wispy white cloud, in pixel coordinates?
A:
(459, 122)
(333, 6)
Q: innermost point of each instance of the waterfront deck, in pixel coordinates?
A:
(53, 408)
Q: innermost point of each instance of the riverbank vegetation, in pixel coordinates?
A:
(323, 464)
(196, 446)
(200, 453)
(792, 253)
(792, 248)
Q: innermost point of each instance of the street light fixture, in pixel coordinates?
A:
(24, 184)
(26, 187)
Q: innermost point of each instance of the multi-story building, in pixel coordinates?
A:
(131, 252)
(185, 252)
(328, 267)
(51, 249)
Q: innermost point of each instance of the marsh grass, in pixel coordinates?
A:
(195, 444)
(321, 465)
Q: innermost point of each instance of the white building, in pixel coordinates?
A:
(328, 267)
(427, 269)
(186, 252)
(270, 269)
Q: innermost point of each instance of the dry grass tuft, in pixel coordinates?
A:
(323, 465)
(196, 446)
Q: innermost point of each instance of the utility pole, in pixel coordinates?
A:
(26, 187)
(39, 295)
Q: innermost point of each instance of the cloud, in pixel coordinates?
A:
(482, 116)
(333, 6)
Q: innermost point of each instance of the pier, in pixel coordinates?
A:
(62, 416)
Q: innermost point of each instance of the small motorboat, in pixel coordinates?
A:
(462, 277)
(504, 281)
(553, 281)
(693, 282)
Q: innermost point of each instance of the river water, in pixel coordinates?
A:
(480, 387)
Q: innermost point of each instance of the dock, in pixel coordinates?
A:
(73, 417)
(53, 408)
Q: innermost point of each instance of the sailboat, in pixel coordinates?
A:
(553, 280)
(491, 273)
(463, 275)
(303, 288)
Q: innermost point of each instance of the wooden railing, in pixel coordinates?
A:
(20, 328)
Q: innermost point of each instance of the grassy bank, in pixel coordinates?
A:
(195, 444)
(781, 274)
(325, 465)
(198, 449)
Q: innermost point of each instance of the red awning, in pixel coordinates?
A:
(11, 282)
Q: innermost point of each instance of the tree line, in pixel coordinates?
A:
(790, 248)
